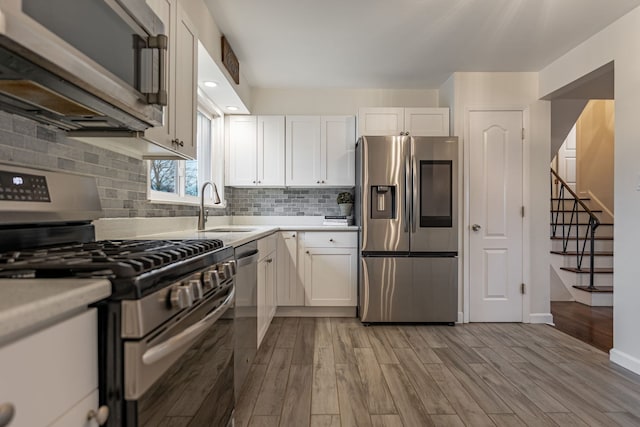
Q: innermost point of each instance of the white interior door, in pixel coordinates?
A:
(567, 159)
(495, 216)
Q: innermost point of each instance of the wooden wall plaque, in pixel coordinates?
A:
(230, 61)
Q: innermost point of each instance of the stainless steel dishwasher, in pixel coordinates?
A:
(246, 312)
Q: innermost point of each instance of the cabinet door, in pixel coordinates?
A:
(303, 150)
(271, 302)
(330, 276)
(186, 58)
(262, 300)
(426, 121)
(380, 121)
(166, 11)
(338, 142)
(241, 139)
(49, 372)
(289, 287)
(270, 158)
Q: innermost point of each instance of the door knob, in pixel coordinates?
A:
(476, 227)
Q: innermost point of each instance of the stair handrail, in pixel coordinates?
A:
(594, 222)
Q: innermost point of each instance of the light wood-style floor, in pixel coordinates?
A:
(335, 372)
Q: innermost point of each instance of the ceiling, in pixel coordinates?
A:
(401, 44)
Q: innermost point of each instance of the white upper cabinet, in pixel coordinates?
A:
(380, 121)
(403, 121)
(320, 151)
(256, 151)
(179, 123)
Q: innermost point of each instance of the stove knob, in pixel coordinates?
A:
(222, 272)
(215, 278)
(226, 267)
(196, 289)
(233, 265)
(180, 297)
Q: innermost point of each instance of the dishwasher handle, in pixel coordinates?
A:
(248, 258)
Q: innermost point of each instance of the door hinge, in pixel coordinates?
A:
(523, 134)
(522, 287)
(522, 211)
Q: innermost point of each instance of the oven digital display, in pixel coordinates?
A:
(23, 187)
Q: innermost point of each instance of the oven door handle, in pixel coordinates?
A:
(177, 342)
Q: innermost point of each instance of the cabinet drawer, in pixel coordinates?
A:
(77, 416)
(331, 239)
(266, 245)
(45, 374)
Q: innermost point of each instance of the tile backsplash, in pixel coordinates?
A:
(284, 201)
(122, 180)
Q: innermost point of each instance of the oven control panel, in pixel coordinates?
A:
(23, 187)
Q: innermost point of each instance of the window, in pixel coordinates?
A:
(180, 180)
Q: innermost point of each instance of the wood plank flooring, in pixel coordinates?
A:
(337, 373)
(593, 325)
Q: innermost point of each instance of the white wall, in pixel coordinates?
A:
(209, 35)
(619, 42)
(336, 101)
(517, 90)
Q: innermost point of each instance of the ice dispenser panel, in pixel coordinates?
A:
(383, 202)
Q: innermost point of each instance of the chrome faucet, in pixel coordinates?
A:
(202, 215)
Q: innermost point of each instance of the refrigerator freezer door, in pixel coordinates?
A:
(383, 191)
(434, 216)
(409, 289)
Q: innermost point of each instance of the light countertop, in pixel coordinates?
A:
(27, 305)
(236, 235)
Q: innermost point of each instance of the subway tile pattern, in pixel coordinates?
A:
(284, 201)
(122, 180)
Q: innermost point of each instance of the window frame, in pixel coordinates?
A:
(217, 161)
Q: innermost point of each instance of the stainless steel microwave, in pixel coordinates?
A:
(83, 65)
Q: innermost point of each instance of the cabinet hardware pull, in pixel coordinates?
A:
(307, 252)
(101, 415)
(331, 240)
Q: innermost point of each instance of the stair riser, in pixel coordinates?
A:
(601, 231)
(599, 261)
(600, 245)
(567, 204)
(582, 217)
(594, 299)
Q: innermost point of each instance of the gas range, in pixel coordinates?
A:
(136, 268)
(171, 311)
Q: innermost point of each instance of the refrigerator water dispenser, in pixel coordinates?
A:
(383, 199)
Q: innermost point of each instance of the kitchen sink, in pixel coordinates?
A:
(230, 230)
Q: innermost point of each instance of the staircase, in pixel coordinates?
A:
(581, 249)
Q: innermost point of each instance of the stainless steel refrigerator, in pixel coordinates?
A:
(406, 206)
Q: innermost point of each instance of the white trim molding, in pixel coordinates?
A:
(625, 360)
(461, 317)
(546, 318)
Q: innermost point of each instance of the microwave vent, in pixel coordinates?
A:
(44, 98)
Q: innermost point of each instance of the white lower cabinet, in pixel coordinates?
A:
(289, 285)
(51, 376)
(266, 284)
(328, 266)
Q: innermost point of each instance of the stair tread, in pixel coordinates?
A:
(588, 270)
(596, 289)
(570, 199)
(610, 224)
(574, 253)
(571, 210)
(582, 238)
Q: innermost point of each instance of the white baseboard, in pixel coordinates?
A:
(625, 360)
(546, 318)
(460, 317)
(292, 311)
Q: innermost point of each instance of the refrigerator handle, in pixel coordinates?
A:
(414, 197)
(407, 191)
